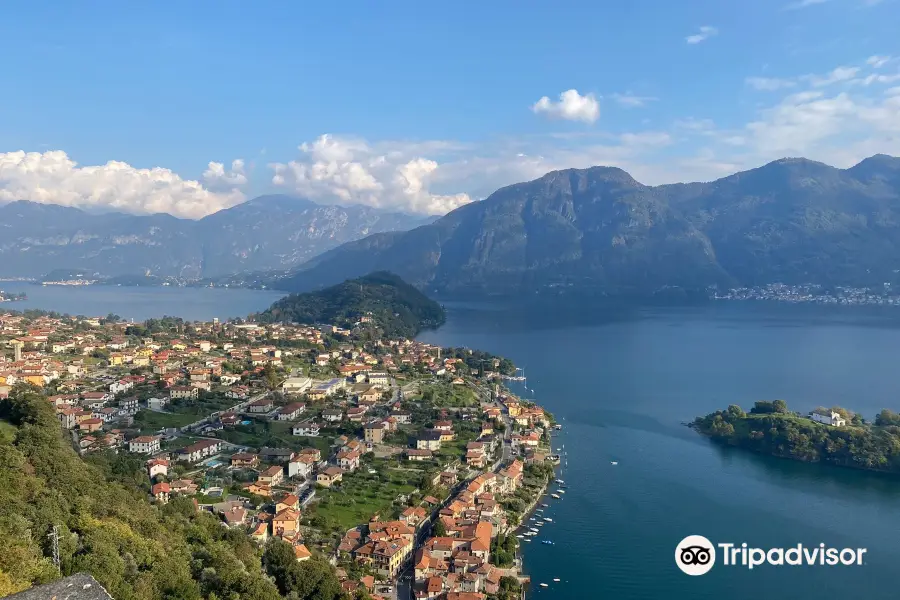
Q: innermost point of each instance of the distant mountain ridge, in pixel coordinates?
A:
(269, 232)
(598, 230)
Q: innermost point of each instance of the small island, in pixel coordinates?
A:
(379, 300)
(833, 436)
(10, 297)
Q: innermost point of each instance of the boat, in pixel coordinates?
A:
(556, 496)
(548, 519)
(546, 542)
(526, 540)
(531, 518)
(556, 579)
(545, 505)
(520, 536)
(557, 426)
(560, 481)
(544, 585)
(539, 524)
(613, 462)
(560, 491)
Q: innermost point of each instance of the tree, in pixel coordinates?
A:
(270, 376)
(440, 529)
(736, 412)
(887, 417)
(310, 580)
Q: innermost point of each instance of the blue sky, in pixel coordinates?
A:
(425, 106)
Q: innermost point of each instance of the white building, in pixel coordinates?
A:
(301, 466)
(119, 387)
(200, 450)
(379, 378)
(296, 385)
(306, 428)
(157, 403)
(145, 444)
(834, 419)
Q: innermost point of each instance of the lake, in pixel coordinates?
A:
(141, 303)
(622, 383)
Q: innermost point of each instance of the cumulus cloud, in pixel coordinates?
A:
(704, 33)
(571, 106)
(837, 75)
(877, 61)
(343, 170)
(216, 176)
(54, 178)
(769, 84)
(629, 100)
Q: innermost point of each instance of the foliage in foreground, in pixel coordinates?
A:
(106, 526)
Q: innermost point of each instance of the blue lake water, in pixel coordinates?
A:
(139, 303)
(621, 384)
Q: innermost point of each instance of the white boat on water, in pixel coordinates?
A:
(613, 462)
(548, 519)
(526, 540)
(555, 496)
(545, 505)
(560, 481)
(520, 536)
(560, 491)
(556, 579)
(544, 585)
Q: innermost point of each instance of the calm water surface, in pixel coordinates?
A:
(621, 384)
(140, 303)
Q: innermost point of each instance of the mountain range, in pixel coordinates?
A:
(266, 233)
(599, 230)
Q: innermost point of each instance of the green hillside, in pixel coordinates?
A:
(108, 528)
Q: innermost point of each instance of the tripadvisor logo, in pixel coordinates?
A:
(696, 555)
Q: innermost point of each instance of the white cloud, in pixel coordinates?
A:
(769, 84)
(54, 178)
(837, 75)
(705, 32)
(877, 61)
(629, 100)
(343, 170)
(871, 79)
(216, 176)
(571, 106)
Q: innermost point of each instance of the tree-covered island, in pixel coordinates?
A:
(834, 436)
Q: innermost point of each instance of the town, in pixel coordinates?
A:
(405, 465)
(816, 294)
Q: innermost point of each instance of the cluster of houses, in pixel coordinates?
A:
(96, 370)
(458, 562)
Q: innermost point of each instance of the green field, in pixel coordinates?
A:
(149, 420)
(273, 434)
(442, 395)
(360, 496)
